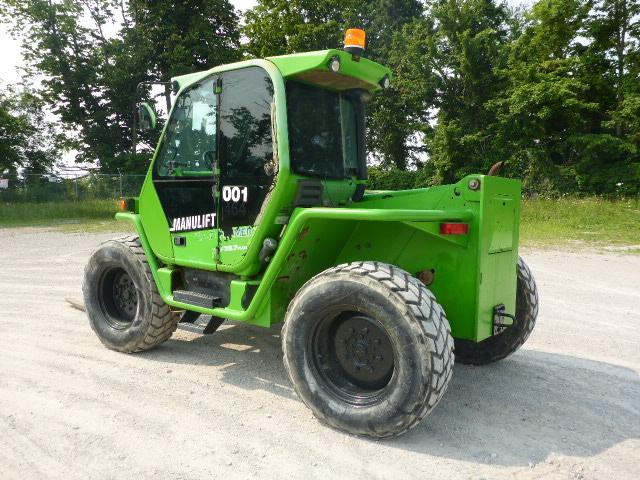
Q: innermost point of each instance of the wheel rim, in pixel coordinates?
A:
(353, 356)
(118, 298)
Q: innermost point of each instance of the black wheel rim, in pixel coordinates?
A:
(118, 298)
(353, 356)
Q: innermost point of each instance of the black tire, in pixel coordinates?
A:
(351, 319)
(507, 342)
(123, 304)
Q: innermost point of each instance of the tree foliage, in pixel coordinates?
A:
(27, 139)
(552, 90)
(90, 56)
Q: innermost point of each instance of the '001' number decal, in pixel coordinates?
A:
(235, 194)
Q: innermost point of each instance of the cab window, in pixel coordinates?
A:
(247, 163)
(190, 138)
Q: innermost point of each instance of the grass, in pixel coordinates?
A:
(567, 222)
(89, 215)
(588, 222)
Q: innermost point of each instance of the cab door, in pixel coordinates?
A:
(248, 167)
(184, 175)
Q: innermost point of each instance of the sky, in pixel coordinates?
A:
(11, 57)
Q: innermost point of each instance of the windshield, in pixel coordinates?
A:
(323, 132)
(191, 134)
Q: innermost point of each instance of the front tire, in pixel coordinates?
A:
(507, 342)
(368, 349)
(121, 298)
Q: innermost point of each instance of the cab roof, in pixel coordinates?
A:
(313, 67)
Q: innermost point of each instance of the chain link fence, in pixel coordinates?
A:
(52, 188)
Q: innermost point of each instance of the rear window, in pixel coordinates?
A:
(322, 132)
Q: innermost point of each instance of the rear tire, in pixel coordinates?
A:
(504, 344)
(123, 304)
(368, 349)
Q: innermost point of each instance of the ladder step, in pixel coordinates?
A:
(196, 298)
(196, 326)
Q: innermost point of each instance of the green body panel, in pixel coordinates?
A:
(401, 228)
(153, 221)
(200, 245)
(472, 273)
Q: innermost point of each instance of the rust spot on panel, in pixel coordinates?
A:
(427, 276)
(303, 254)
(303, 234)
(284, 279)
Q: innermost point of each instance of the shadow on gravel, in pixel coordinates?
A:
(514, 412)
(249, 357)
(520, 410)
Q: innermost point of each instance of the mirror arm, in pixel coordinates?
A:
(134, 129)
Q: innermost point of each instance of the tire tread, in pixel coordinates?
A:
(431, 327)
(164, 321)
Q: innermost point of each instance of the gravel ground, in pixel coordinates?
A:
(566, 406)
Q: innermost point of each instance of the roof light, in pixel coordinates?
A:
(355, 41)
(334, 64)
(454, 228)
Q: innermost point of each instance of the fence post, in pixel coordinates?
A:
(75, 182)
(120, 175)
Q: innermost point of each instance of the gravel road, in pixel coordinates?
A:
(566, 406)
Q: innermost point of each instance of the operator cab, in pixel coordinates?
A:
(239, 132)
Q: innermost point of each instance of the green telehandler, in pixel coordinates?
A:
(255, 209)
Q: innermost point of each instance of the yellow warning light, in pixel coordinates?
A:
(355, 41)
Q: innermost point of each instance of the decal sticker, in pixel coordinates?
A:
(193, 222)
(240, 232)
(235, 194)
(234, 248)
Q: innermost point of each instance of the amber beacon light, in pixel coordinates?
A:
(355, 40)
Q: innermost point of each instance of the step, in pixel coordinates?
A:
(194, 323)
(196, 298)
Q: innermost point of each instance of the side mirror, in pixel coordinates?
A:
(146, 117)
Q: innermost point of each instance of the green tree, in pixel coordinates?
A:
(465, 44)
(90, 77)
(564, 115)
(276, 27)
(26, 137)
(183, 37)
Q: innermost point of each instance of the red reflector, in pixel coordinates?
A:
(454, 228)
(123, 205)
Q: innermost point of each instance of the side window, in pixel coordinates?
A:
(191, 133)
(246, 145)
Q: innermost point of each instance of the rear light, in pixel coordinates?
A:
(123, 205)
(454, 228)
